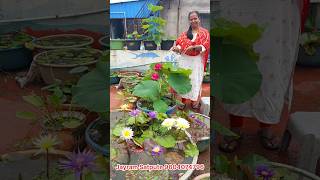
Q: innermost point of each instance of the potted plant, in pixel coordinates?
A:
(57, 164)
(62, 41)
(153, 28)
(90, 92)
(129, 81)
(200, 130)
(104, 42)
(256, 167)
(152, 138)
(309, 49)
(68, 124)
(133, 41)
(167, 43)
(13, 53)
(153, 90)
(60, 63)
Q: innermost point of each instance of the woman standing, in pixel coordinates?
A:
(194, 46)
(278, 49)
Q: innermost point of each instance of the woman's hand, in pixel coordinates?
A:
(194, 48)
(175, 49)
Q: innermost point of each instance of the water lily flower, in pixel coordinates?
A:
(155, 76)
(182, 123)
(126, 133)
(265, 172)
(135, 112)
(200, 123)
(125, 107)
(152, 114)
(157, 67)
(46, 143)
(168, 123)
(78, 162)
(192, 116)
(157, 150)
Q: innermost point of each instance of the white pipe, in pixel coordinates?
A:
(55, 16)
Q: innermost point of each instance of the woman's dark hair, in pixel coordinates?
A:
(189, 32)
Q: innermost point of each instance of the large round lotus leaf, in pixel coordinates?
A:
(147, 89)
(236, 75)
(91, 90)
(180, 83)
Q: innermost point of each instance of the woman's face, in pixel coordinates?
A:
(194, 20)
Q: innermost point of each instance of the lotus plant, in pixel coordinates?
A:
(154, 88)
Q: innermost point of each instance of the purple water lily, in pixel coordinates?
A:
(192, 116)
(134, 112)
(156, 150)
(200, 123)
(78, 162)
(265, 172)
(152, 114)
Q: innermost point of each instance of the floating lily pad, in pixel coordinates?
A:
(69, 56)
(62, 41)
(14, 40)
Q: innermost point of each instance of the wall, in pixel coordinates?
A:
(176, 25)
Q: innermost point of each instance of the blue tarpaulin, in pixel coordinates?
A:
(131, 9)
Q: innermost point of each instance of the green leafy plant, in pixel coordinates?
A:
(91, 89)
(13, 40)
(154, 88)
(153, 26)
(165, 131)
(236, 75)
(310, 39)
(134, 35)
(51, 112)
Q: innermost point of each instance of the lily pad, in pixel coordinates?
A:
(62, 40)
(14, 40)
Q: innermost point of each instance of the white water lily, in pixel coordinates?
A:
(168, 123)
(182, 124)
(126, 133)
(46, 143)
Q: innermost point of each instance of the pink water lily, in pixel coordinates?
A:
(158, 67)
(155, 76)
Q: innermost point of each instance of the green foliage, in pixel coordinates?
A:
(153, 26)
(155, 91)
(14, 40)
(144, 129)
(50, 109)
(222, 130)
(134, 35)
(166, 141)
(191, 150)
(236, 75)
(234, 33)
(91, 90)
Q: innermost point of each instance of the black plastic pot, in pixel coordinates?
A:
(307, 60)
(150, 45)
(166, 44)
(133, 44)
